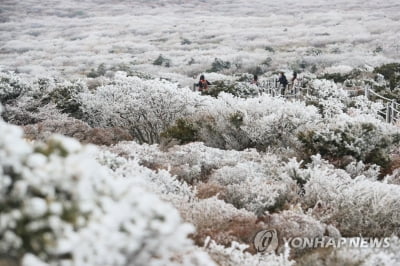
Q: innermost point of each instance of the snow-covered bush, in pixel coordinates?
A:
(362, 137)
(236, 255)
(65, 95)
(243, 89)
(234, 123)
(61, 206)
(211, 216)
(145, 107)
(360, 105)
(192, 162)
(246, 179)
(295, 223)
(219, 220)
(357, 256)
(28, 111)
(356, 206)
(254, 186)
(274, 122)
(330, 99)
(11, 86)
(391, 72)
(26, 97)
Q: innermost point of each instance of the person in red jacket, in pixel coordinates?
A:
(203, 83)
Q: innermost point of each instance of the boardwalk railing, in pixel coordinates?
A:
(274, 88)
(391, 112)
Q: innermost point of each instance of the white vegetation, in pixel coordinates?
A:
(349, 203)
(203, 174)
(145, 107)
(62, 206)
(236, 255)
(71, 38)
(363, 257)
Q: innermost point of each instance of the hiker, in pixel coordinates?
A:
(203, 83)
(283, 82)
(255, 80)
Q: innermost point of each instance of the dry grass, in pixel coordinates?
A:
(208, 190)
(76, 129)
(238, 229)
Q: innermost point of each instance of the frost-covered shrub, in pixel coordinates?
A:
(295, 223)
(274, 122)
(236, 255)
(219, 65)
(28, 111)
(65, 95)
(332, 100)
(356, 206)
(360, 105)
(354, 257)
(11, 86)
(391, 72)
(211, 216)
(27, 97)
(254, 186)
(243, 89)
(192, 162)
(328, 97)
(61, 206)
(246, 179)
(183, 130)
(394, 178)
(219, 220)
(362, 137)
(336, 77)
(145, 107)
(162, 61)
(100, 71)
(264, 122)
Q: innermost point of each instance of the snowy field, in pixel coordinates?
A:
(73, 37)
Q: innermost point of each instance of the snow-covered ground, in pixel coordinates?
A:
(73, 37)
(180, 177)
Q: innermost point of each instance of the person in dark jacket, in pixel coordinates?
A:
(203, 83)
(283, 82)
(255, 80)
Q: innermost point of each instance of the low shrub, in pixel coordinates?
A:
(391, 72)
(362, 140)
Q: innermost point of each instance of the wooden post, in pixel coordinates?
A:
(366, 92)
(388, 112)
(392, 108)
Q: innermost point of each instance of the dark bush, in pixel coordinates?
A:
(183, 131)
(391, 72)
(101, 71)
(219, 65)
(162, 61)
(65, 96)
(11, 88)
(336, 77)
